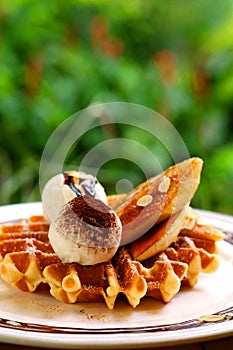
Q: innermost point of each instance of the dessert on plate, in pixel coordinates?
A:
(88, 246)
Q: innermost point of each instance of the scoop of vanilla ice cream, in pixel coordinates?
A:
(86, 231)
(58, 191)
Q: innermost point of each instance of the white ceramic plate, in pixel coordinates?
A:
(39, 320)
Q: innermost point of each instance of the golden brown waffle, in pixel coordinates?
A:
(27, 261)
(104, 282)
(24, 253)
(34, 227)
(195, 246)
(200, 231)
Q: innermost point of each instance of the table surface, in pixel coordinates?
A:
(225, 344)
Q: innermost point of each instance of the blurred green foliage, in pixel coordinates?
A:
(58, 57)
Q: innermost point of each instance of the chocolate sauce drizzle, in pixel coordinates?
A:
(69, 181)
(87, 184)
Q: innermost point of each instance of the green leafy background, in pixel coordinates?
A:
(58, 57)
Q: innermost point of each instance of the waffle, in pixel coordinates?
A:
(196, 246)
(24, 253)
(28, 262)
(122, 276)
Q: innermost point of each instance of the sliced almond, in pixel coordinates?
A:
(211, 318)
(164, 185)
(144, 200)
